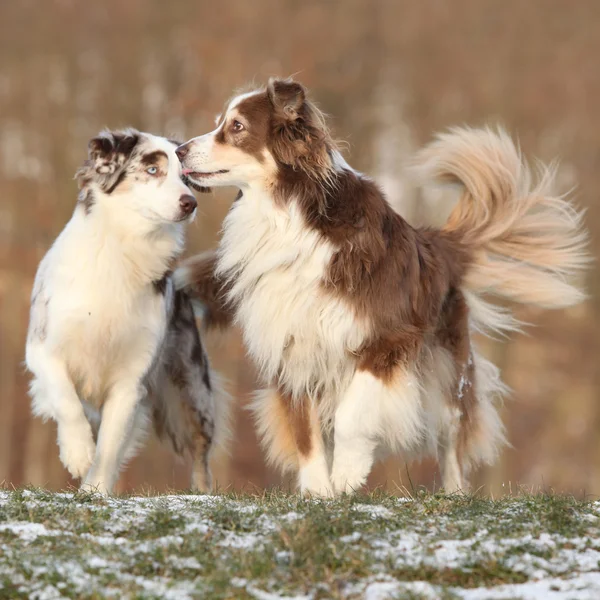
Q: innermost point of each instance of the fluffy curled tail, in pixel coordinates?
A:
(525, 243)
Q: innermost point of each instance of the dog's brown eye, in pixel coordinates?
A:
(237, 126)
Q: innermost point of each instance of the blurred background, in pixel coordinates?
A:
(390, 72)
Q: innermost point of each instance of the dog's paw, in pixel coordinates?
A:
(324, 491)
(343, 486)
(346, 483)
(77, 448)
(315, 482)
(93, 485)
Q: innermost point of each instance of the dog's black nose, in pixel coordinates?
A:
(182, 151)
(188, 204)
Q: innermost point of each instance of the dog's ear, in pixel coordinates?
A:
(108, 154)
(287, 97)
(300, 137)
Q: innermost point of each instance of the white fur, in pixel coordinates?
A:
(297, 333)
(314, 469)
(340, 163)
(313, 476)
(97, 323)
(305, 340)
(208, 157)
(235, 102)
(374, 414)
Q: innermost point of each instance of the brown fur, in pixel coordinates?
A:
(285, 427)
(108, 154)
(203, 283)
(291, 128)
(111, 160)
(251, 141)
(154, 158)
(413, 287)
(160, 285)
(393, 274)
(300, 139)
(298, 418)
(453, 334)
(158, 159)
(403, 281)
(87, 200)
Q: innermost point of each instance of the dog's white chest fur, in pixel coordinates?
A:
(97, 315)
(297, 333)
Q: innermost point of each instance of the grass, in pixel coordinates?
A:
(279, 545)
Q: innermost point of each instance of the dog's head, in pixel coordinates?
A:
(261, 135)
(136, 172)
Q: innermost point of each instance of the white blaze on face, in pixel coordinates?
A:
(239, 99)
(227, 156)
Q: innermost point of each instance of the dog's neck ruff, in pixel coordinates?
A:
(143, 249)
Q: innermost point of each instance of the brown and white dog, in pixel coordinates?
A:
(360, 324)
(111, 344)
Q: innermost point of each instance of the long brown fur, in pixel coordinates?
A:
(420, 292)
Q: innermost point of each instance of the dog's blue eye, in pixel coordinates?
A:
(152, 170)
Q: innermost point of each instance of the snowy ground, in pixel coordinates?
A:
(280, 546)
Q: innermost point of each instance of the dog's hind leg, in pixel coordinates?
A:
(208, 405)
(184, 401)
(201, 472)
(449, 457)
(451, 390)
(183, 413)
(475, 433)
(197, 403)
(449, 396)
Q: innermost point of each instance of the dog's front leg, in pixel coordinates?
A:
(313, 474)
(54, 396)
(116, 430)
(374, 412)
(355, 434)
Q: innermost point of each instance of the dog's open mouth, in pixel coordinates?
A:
(200, 175)
(192, 178)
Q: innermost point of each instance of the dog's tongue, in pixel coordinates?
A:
(186, 171)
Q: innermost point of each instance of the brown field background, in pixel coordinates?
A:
(390, 73)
